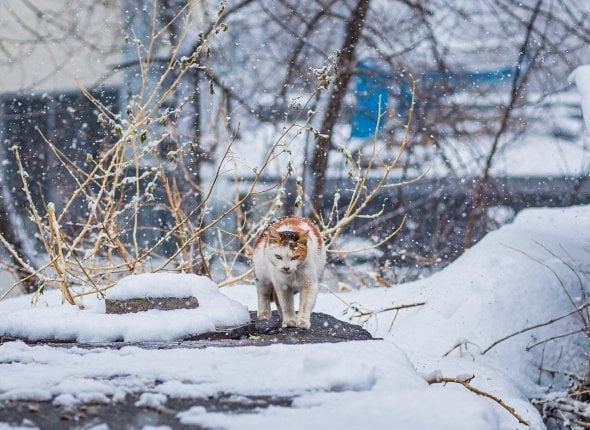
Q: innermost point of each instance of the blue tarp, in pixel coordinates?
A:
(372, 94)
(374, 84)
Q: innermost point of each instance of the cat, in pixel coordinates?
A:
(289, 257)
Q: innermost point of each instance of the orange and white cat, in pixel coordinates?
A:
(289, 257)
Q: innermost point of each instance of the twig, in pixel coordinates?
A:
(479, 200)
(563, 287)
(459, 345)
(374, 246)
(37, 273)
(236, 279)
(56, 250)
(560, 336)
(466, 384)
(533, 327)
(361, 314)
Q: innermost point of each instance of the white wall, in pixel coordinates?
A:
(46, 44)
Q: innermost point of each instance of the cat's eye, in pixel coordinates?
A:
(295, 258)
(278, 257)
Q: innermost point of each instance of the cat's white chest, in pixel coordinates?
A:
(293, 280)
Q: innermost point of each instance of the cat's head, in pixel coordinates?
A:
(287, 249)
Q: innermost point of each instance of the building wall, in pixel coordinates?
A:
(45, 45)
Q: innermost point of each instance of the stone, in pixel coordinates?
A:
(145, 304)
(324, 329)
(225, 333)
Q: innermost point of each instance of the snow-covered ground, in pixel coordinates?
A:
(522, 275)
(552, 144)
(91, 324)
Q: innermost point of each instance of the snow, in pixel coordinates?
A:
(480, 298)
(92, 324)
(335, 386)
(159, 284)
(516, 277)
(151, 400)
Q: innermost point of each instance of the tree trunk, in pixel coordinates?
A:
(317, 176)
(480, 201)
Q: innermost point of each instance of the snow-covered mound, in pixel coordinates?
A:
(525, 274)
(52, 320)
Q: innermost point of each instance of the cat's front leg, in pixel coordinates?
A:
(285, 299)
(307, 298)
(265, 292)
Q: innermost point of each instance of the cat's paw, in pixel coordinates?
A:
(289, 323)
(263, 315)
(303, 323)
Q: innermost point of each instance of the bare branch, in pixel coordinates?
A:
(467, 384)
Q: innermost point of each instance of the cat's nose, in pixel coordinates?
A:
(286, 269)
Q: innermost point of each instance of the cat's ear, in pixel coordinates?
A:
(303, 237)
(274, 235)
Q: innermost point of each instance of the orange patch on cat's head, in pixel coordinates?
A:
(274, 236)
(300, 246)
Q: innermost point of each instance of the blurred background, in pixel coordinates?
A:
(476, 93)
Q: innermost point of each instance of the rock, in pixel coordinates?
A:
(324, 329)
(144, 304)
(225, 333)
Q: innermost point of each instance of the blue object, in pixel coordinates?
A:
(374, 82)
(372, 94)
(460, 79)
